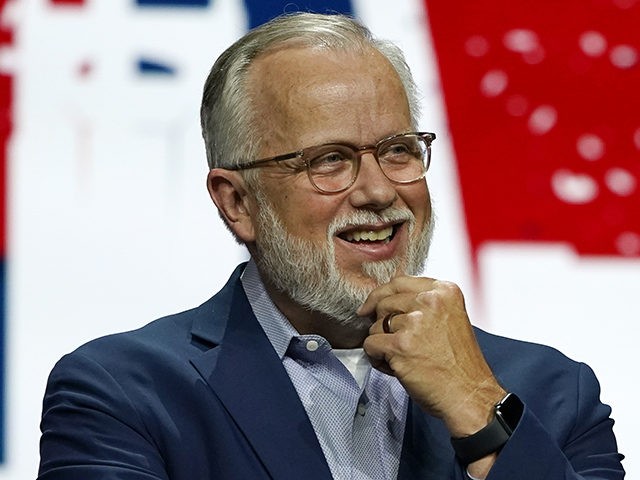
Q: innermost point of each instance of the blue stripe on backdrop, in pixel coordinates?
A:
(147, 66)
(261, 11)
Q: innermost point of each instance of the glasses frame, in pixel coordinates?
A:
(428, 137)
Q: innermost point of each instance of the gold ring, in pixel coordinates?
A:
(386, 322)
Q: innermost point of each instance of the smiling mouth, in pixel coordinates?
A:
(384, 235)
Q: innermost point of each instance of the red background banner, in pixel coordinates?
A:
(544, 113)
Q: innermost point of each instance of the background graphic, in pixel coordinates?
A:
(535, 175)
(6, 120)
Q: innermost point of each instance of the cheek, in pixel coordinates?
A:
(427, 206)
(306, 216)
(419, 202)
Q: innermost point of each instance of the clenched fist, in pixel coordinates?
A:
(432, 350)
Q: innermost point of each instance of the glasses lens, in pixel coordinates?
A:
(404, 158)
(331, 167)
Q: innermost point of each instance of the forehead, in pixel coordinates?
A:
(310, 94)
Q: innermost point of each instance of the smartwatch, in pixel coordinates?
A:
(492, 437)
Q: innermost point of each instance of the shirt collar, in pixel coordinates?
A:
(279, 330)
(275, 325)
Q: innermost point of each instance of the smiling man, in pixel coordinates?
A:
(325, 356)
(351, 227)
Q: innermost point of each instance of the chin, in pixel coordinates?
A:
(381, 272)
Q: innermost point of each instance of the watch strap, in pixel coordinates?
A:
(488, 440)
(492, 437)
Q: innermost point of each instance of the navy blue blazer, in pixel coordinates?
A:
(202, 395)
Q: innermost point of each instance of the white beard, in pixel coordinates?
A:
(309, 275)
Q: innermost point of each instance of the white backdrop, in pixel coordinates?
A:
(111, 225)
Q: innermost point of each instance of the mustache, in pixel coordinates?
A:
(388, 215)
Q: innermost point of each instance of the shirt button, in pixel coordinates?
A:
(312, 345)
(362, 409)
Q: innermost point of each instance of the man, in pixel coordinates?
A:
(273, 377)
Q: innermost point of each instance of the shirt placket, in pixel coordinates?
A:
(338, 407)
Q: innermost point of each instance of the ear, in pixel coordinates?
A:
(228, 191)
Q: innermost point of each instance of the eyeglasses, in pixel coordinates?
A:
(334, 167)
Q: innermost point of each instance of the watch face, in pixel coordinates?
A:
(509, 411)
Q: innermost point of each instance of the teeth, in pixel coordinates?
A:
(369, 235)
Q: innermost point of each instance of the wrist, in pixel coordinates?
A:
(492, 437)
(475, 412)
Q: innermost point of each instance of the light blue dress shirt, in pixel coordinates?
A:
(360, 428)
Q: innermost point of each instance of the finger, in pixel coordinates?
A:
(378, 293)
(384, 324)
(396, 322)
(369, 306)
(376, 348)
(404, 284)
(388, 309)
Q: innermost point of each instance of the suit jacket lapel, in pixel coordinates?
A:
(246, 374)
(424, 455)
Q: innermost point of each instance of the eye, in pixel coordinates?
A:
(398, 149)
(397, 152)
(329, 160)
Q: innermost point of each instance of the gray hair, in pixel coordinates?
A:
(226, 113)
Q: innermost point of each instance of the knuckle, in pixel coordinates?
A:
(449, 289)
(400, 282)
(442, 294)
(405, 342)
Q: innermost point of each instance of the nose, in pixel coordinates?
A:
(372, 189)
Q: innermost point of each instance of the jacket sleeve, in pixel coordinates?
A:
(91, 429)
(585, 450)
